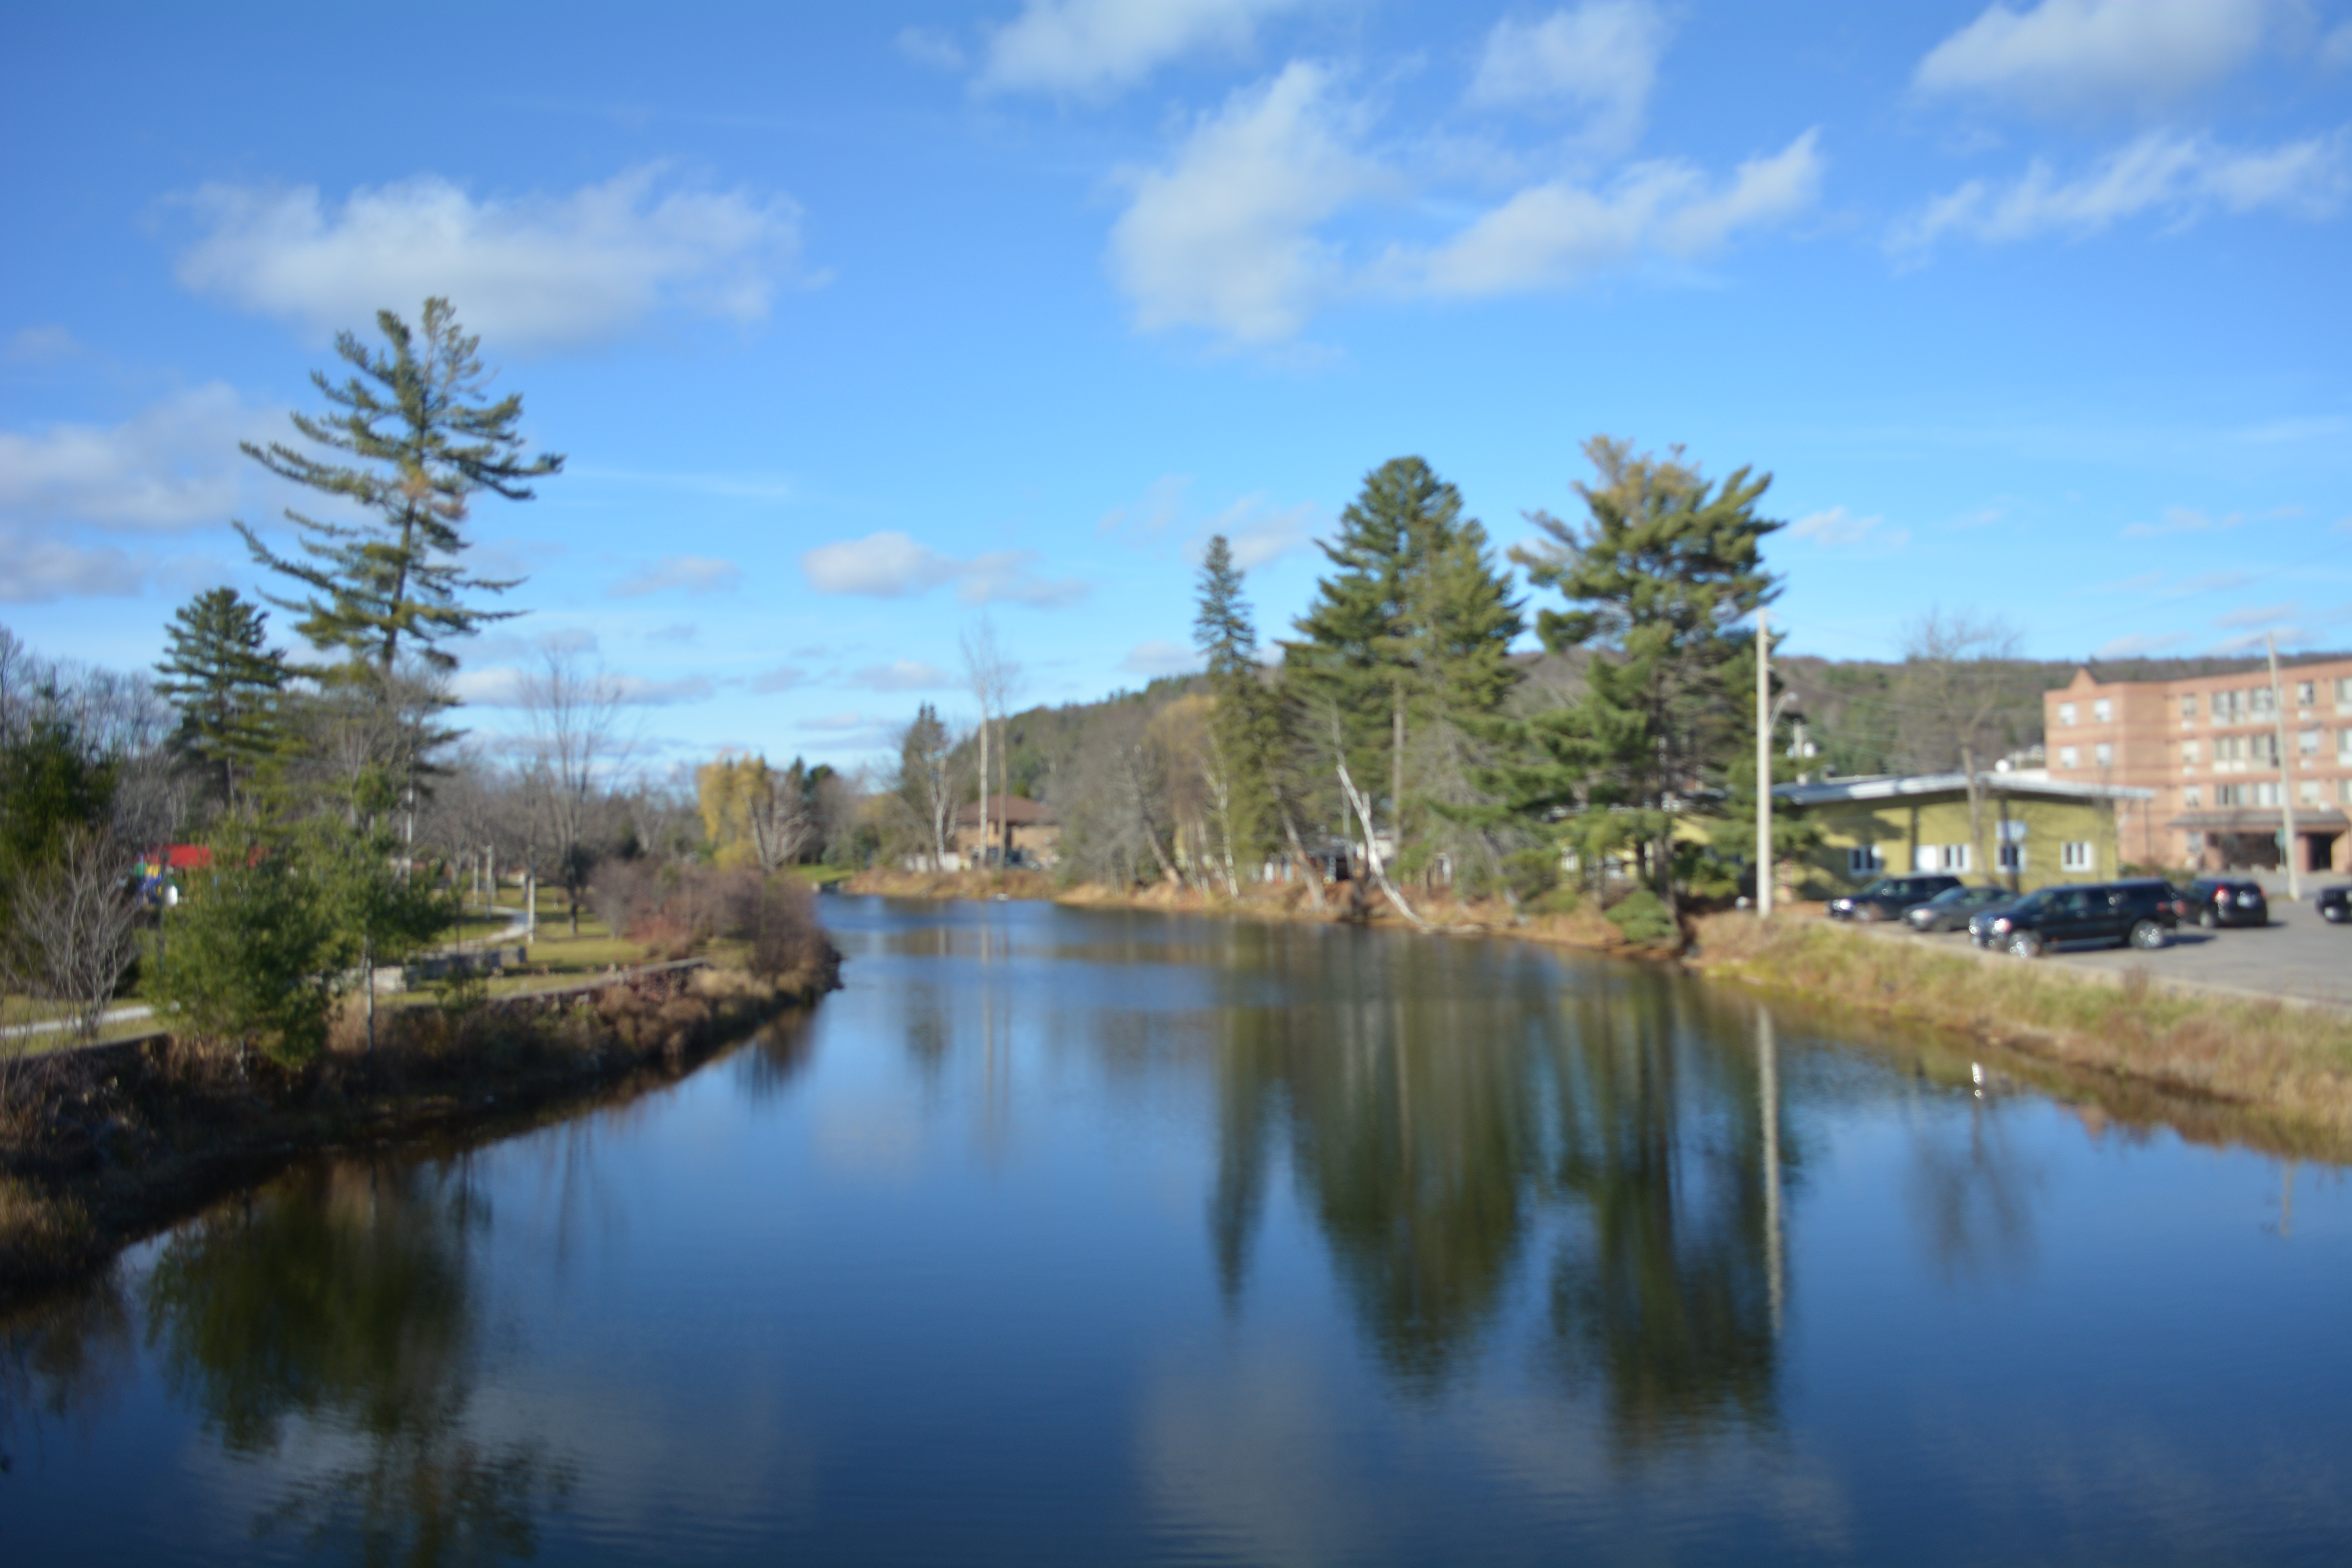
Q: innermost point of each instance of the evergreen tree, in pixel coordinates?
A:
(226, 686)
(1656, 582)
(1243, 725)
(1409, 639)
(423, 438)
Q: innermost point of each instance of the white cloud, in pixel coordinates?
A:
(529, 272)
(1093, 48)
(1223, 237)
(2282, 635)
(39, 568)
(893, 566)
(1838, 529)
(695, 573)
(171, 467)
(2336, 49)
(1258, 531)
(783, 678)
(904, 675)
(2074, 55)
(834, 723)
(931, 46)
(2181, 177)
(1558, 234)
(1157, 658)
(1600, 59)
(639, 693)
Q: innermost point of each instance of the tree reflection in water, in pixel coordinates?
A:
(60, 1361)
(340, 1302)
(1446, 1106)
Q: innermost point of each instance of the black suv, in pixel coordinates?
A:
(2139, 912)
(2334, 904)
(2227, 901)
(1889, 898)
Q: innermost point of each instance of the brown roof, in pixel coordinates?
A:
(1008, 808)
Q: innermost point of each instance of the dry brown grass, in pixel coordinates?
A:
(2294, 1062)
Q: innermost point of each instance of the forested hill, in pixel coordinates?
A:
(1857, 711)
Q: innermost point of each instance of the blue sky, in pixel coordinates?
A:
(858, 322)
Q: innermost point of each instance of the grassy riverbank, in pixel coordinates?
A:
(2291, 1065)
(100, 1147)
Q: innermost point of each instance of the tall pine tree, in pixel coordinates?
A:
(226, 686)
(1656, 582)
(423, 438)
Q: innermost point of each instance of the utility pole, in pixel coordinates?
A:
(1763, 770)
(2286, 787)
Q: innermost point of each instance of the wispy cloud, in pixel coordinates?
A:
(902, 675)
(694, 573)
(1157, 657)
(1149, 520)
(2138, 645)
(2182, 520)
(893, 566)
(1598, 61)
(2261, 615)
(530, 273)
(2071, 56)
(2182, 178)
(1258, 531)
(782, 678)
(1095, 48)
(1838, 529)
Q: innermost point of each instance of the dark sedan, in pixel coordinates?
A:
(2139, 913)
(2227, 901)
(1954, 908)
(2334, 904)
(1890, 898)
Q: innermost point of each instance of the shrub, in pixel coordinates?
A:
(1642, 918)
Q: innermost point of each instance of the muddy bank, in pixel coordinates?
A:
(99, 1148)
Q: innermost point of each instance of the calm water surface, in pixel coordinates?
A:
(1068, 1238)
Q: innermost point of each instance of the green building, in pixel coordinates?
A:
(2036, 830)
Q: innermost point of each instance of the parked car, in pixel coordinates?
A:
(2334, 904)
(1890, 898)
(1954, 908)
(2139, 913)
(2227, 901)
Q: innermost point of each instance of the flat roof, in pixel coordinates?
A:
(1893, 787)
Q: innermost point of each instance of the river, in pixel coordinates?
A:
(1099, 1237)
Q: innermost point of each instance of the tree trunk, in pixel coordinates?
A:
(1371, 852)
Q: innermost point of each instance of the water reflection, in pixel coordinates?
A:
(331, 1323)
(61, 1362)
(1447, 1108)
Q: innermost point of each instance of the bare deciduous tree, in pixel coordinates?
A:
(72, 934)
(994, 679)
(1955, 691)
(574, 715)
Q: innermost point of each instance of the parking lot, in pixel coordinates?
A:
(2297, 954)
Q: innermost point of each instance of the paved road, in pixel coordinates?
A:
(2297, 954)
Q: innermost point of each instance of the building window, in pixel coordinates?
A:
(2305, 694)
(2307, 743)
(2260, 701)
(2102, 755)
(2307, 793)
(2344, 691)
(1864, 861)
(2263, 746)
(2344, 791)
(2068, 757)
(2190, 753)
(1945, 857)
(2228, 795)
(2011, 857)
(2344, 745)
(2192, 797)
(2103, 711)
(2189, 706)
(2228, 705)
(2074, 855)
(2066, 713)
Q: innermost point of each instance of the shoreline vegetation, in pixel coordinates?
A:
(102, 1146)
(2217, 1067)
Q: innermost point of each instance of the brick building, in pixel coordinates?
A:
(2208, 746)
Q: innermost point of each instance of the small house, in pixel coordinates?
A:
(2035, 831)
